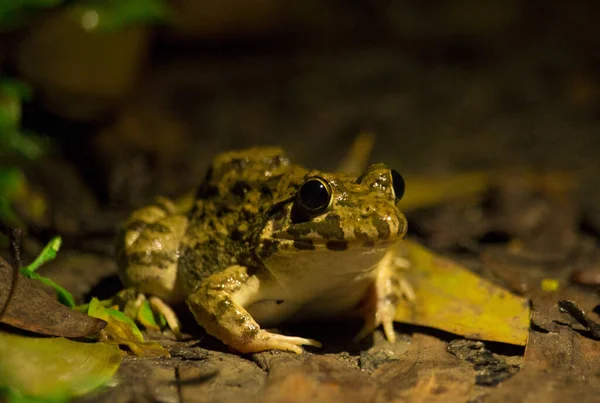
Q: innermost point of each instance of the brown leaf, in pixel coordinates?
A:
(32, 309)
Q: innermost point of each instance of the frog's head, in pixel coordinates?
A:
(335, 220)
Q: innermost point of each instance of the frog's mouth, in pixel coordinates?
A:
(287, 243)
(331, 232)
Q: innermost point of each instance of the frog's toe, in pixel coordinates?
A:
(273, 341)
(133, 306)
(159, 306)
(388, 329)
(373, 322)
(364, 332)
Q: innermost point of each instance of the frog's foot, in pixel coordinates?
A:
(132, 305)
(387, 292)
(218, 305)
(272, 341)
(159, 306)
(378, 311)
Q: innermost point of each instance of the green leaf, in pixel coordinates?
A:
(102, 16)
(15, 89)
(15, 12)
(53, 369)
(64, 296)
(12, 94)
(97, 310)
(48, 254)
(122, 330)
(12, 139)
(149, 319)
(24, 143)
(106, 303)
(13, 395)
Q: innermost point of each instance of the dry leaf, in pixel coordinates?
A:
(451, 298)
(32, 309)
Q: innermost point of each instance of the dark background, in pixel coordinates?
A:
(446, 87)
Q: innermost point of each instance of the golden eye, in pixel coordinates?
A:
(314, 196)
(397, 185)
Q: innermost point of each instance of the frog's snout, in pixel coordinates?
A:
(402, 226)
(386, 223)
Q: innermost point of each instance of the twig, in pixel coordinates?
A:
(15, 236)
(577, 313)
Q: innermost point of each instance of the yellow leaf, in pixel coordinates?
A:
(451, 298)
(55, 367)
(427, 191)
(430, 191)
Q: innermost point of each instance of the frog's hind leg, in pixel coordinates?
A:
(387, 291)
(147, 255)
(218, 305)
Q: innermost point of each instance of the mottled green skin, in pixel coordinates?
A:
(230, 211)
(246, 252)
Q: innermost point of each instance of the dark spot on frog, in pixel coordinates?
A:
(327, 229)
(383, 228)
(279, 302)
(249, 332)
(268, 247)
(238, 164)
(345, 203)
(361, 236)
(332, 217)
(330, 229)
(299, 230)
(266, 191)
(160, 260)
(206, 191)
(279, 161)
(304, 244)
(337, 245)
(223, 306)
(240, 188)
(369, 243)
(237, 235)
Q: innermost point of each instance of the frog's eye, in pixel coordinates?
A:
(314, 196)
(397, 185)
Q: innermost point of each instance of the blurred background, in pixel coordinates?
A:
(104, 104)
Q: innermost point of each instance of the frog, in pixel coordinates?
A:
(266, 241)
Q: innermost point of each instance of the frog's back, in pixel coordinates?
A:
(239, 187)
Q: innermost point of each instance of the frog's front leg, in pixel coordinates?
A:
(385, 294)
(219, 307)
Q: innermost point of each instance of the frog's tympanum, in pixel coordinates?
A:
(268, 241)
